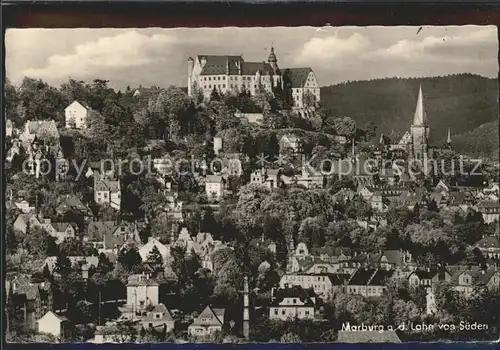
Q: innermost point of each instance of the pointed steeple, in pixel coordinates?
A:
(420, 116)
(273, 61)
(448, 140)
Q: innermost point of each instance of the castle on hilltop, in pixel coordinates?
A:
(223, 74)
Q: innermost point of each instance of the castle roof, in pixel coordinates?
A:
(296, 77)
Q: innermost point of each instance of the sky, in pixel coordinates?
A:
(158, 56)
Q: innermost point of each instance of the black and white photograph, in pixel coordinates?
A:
(252, 185)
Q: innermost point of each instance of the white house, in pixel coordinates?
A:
(51, 323)
(76, 115)
(208, 322)
(214, 187)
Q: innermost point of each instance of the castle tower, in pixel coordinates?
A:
(420, 130)
(273, 61)
(190, 73)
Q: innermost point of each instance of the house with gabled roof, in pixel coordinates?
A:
(59, 326)
(300, 82)
(489, 246)
(290, 141)
(490, 210)
(209, 321)
(214, 187)
(292, 302)
(369, 282)
(28, 300)
(159, 318)
(24, 221)
(63, 230)
(71, 202)
(76, 115)
(107, 191)
(325, 285)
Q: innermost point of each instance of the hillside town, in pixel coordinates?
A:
(240, 209)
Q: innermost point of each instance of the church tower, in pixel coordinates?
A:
(448, 140)
(273, 61)
(420, 130)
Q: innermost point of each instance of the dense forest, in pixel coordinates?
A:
(463, 102)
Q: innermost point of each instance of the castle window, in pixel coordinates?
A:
(224, 86)
(209, 78)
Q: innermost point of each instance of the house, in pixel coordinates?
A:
(108, 235)
(24, 206)
(490, 211)
(141, 292)
(325, 285)
(366, 336)
(391, 259)
(59, 326)
(76, 115)
(107, 191)
(209, 321)
(290, 142)
(310, 178)
(70, 202)
(29, 301)
(292, 302)
(158, 318)
(146, 249)
(25, 221)
(62, 230)
(421, 278)
(369, 282)
(489, 246)
(464, 280)
(214, 187)
(39, 130)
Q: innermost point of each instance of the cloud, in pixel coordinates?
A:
(125, 50)
(477, 44)
(332, 48)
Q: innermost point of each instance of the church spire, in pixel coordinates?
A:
(420, 116)
(273, 61)
(448, 140)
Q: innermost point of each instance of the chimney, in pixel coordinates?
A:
(246, 314)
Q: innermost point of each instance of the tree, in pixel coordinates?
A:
(40, 243)
(72, 247)
(129, 258)
(155, 260)
(214, 95)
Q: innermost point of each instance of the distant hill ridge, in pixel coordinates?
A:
(462, 102)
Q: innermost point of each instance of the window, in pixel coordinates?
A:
(295, 301)
(157, 315)
(276, 312)
(307, 312)
(210, 78)
(224, 86)
(283, 312)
